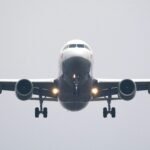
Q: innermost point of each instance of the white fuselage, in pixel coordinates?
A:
(75, 78)
(68, 52)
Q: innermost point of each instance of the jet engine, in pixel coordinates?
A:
(127, 89)
(24, 89)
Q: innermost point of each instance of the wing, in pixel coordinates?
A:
(110, 86)
(40, 86)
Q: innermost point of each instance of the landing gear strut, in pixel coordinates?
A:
(76, 84)
(109, 110)
(41, 110)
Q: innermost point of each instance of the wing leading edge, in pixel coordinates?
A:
(117, 90)
(40, 86)
(112, 86)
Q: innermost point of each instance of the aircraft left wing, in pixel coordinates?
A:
(40, 87)
(120, 88)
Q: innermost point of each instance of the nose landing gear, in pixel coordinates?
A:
(76, 84)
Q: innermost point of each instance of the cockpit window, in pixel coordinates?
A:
(86, 46)
(72, 45)
(66, 47)
(76, 46)
(80, 45)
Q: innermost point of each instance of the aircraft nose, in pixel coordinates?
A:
(77, 53)
(76, 65)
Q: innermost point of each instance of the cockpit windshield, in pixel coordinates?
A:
(72, 45)
(80, 46)
(76, 46)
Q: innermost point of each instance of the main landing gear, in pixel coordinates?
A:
(41, 110)
(109, 110)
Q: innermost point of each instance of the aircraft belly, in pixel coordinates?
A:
(75, 92)
(74, 101)
(74, 106)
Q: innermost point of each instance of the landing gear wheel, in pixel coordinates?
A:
(37, 112)
(45, 112)
(113, 112)
(110, 110)
(40, 110)
(105, 112)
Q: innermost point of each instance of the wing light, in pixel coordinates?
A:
(94, 91)
(55, 91)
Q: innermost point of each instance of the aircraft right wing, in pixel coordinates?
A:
(24, 87)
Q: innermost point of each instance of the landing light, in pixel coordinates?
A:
(74, 76)
(95, 91)
(55, 91)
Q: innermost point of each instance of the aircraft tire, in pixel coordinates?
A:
(37, 112)
(113, 112)
(45, 112)
(105, 112)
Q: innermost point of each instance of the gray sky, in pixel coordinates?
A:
(31, 35)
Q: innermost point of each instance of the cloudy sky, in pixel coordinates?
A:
(32, 33)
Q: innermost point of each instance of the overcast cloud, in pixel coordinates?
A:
(32, 33)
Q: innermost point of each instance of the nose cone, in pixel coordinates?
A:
(77, 52)
(76, 65)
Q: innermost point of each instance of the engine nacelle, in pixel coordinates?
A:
(24, 89)
(127, 89)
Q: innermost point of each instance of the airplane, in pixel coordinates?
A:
(75, 85)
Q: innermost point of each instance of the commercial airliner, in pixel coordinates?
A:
(75, 85)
